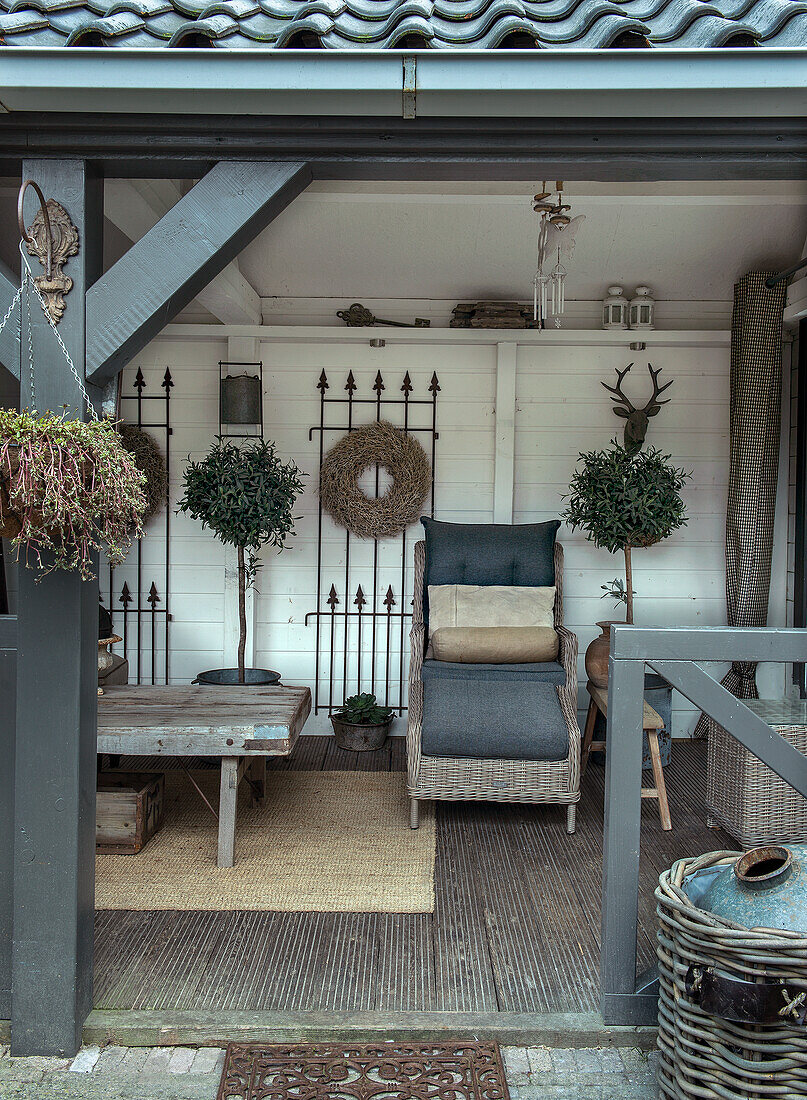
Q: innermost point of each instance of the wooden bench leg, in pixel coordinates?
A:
(658, 776)
(257, 773)
(588, 735)
(228, 802)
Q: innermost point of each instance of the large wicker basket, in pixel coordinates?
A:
(707, 1056)
(743, 795)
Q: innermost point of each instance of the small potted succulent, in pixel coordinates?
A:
(246, 496)
(68, 489)
(361, 725)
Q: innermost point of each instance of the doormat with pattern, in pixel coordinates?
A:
(363, 1071)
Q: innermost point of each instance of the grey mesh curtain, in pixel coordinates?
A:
(756, 395)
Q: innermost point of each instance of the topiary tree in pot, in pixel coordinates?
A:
(245, 495)
(624, 498)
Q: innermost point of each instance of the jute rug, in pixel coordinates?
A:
(334, 842)
(364, 1071)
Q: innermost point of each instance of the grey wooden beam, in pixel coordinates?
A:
(57, 677)
(620, 890)
(10, 334)
(732, 714)
(191, 244)
(365, 147)
(8, 691)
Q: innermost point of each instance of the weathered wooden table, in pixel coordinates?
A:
(242, 726)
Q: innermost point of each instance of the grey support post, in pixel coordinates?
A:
(54, 852)
(8, 691)
(623, 785)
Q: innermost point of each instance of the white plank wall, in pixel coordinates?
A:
(511, 422)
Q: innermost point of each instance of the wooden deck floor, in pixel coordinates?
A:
(516, 926)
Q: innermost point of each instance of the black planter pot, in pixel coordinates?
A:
(356, 738)
(228, 677)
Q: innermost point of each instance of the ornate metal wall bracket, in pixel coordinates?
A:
(52, 239)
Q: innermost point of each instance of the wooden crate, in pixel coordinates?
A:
(129, 811)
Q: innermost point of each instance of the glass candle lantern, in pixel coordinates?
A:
(642, 309)
(615, 309)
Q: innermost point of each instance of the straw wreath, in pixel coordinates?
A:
(150, 462)
(379, 444)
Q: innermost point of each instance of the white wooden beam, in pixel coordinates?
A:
(135, 207)
(504, 466)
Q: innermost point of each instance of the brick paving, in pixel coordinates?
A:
(184, 1073)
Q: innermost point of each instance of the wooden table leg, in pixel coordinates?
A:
(257, 773)
(658, 776)
(588, 735)
(228, 802)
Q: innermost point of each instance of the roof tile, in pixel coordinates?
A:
(438, 24)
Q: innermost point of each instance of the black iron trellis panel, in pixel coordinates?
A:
(141, 610)
(340, 631)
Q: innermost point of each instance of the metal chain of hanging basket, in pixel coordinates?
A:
(708, 1056)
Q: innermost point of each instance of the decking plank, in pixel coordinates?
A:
(516, 926)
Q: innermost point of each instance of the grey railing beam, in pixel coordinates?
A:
(732, 714)
(194, 241)
(710, 643)
(672, 653)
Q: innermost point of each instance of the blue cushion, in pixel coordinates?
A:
(551, 672)
(521, 554)
(493, 720)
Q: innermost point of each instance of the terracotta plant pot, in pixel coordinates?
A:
(355, 738)
(10, 522)
(598, 653)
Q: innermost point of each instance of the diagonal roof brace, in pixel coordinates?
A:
(194, 241)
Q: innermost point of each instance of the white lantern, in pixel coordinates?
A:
(642, 309)
(615, 309)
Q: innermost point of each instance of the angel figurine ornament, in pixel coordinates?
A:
(556, 241)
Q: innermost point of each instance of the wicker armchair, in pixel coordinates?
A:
(461, 778)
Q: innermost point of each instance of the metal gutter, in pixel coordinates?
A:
(609, 84)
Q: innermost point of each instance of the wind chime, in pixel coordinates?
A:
(556, 232)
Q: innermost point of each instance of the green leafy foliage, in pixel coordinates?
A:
(624, 498)
(363, 710)
(617, 590)
(245, 495)
(72, 489)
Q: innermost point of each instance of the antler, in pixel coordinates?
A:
(619, 396)
(653, 405)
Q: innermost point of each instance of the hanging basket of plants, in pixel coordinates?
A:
(383, 445)
(68, 489)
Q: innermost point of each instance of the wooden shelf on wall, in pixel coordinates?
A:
(333, 334)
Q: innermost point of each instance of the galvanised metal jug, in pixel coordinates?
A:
(764, 888)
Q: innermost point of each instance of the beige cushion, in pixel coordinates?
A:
(492, 605)
(489, 605)
(495, 645)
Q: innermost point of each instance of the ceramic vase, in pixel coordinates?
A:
(598, 652)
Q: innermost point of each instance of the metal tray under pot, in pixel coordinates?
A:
(228, 677)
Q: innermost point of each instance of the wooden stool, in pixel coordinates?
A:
(651, 723)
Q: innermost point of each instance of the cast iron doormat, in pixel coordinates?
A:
(363, 1071)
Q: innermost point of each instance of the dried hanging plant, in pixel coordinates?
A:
(149, 460)
(379, 444)
(67, 488)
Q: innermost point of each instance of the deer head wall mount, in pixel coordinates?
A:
(637, 419)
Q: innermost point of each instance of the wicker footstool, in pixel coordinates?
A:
(743, 795)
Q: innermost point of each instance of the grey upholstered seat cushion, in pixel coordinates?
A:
(521, 554)
(493, 720)
(551, 672)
